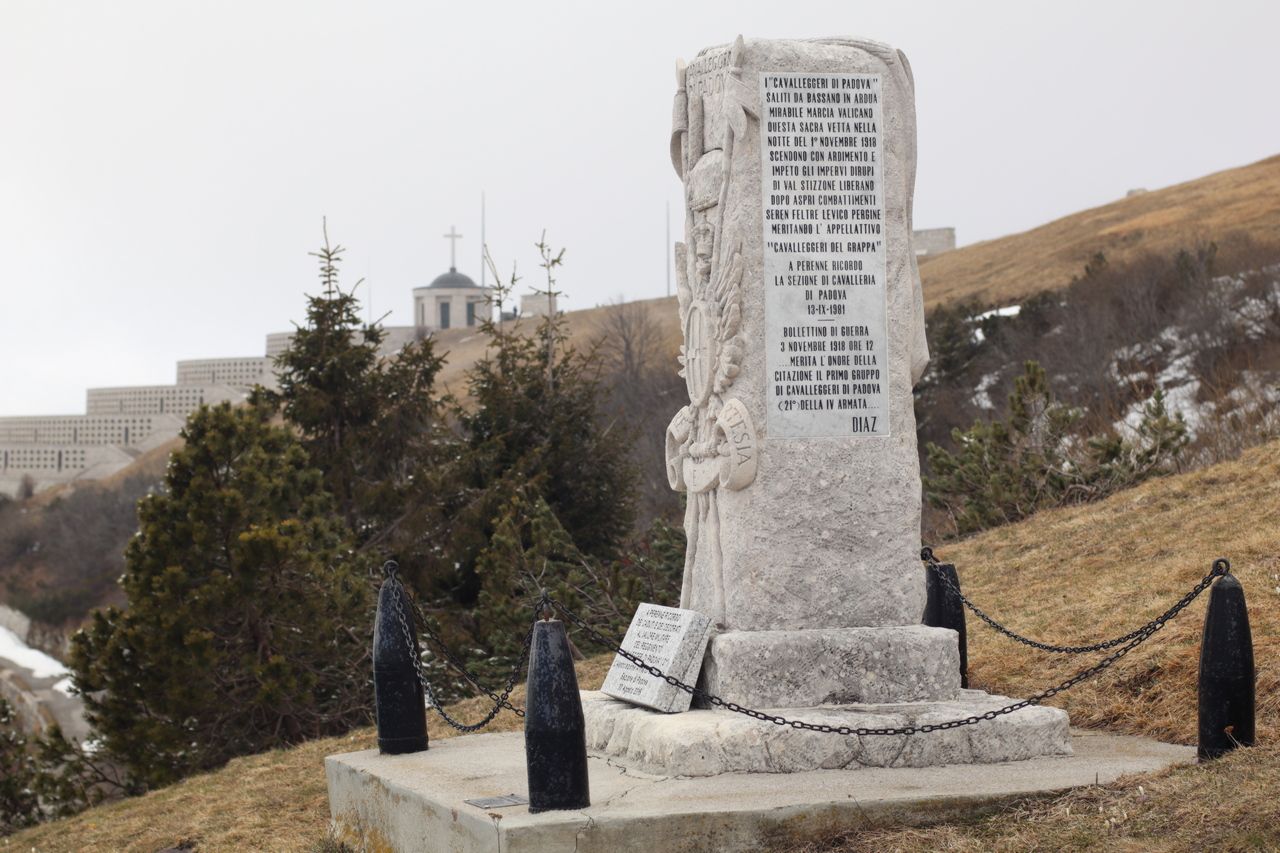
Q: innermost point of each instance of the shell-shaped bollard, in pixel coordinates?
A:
(944, 609)
(1226, 672)
(555, 735)
(401, 708)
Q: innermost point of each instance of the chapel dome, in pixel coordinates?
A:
(453, 278)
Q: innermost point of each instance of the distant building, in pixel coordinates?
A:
(180, 399)
(62, 448)
(1135, 191)
(537, 304)
(933, 241)
(452, 301)
(121, 423)
(236, 372)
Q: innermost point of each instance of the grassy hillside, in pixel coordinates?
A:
(1243, 201)
(584, 326)
(1072, 575)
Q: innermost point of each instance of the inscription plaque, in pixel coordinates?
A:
(824, 255)
(669, 638)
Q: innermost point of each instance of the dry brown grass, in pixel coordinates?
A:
(1077, 574)
(584, 327)
(1243, 201)
(1092, 572)
(1227, 805)
(274, 801)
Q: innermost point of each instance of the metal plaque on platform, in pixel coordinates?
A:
(498, 802)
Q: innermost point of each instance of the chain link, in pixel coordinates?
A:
(1140, 636)
(458, 665)
(1220, 567)
(500, 701)
(1126, 644)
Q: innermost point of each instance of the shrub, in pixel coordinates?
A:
(19, 805)
(1005, 470)
(246, 610)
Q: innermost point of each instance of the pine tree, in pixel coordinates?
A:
(246, 609)
(374, 427)
(531, 551)
(1003, 471)
(533, 417)
(19, 805)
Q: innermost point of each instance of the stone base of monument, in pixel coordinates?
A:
(825, 666)
(420, 802)
(711, 742)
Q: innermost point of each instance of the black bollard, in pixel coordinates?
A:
(1226, 672)
(401, 708)
(555, 735)
(944, 609)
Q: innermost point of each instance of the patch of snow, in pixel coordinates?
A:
(981, 395)
(1182, 401)
(36, 662)
(1177, 373)
(65, 687)
(1254, 315)
(1171, 336)
(1008, 311)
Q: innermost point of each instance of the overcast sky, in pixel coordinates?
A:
(164, 166)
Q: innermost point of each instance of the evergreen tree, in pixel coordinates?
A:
(533, 418)
(19, 805)
(374, 427)
(1003, 471)
(245, 610)
(530, 551)
(1155, 447)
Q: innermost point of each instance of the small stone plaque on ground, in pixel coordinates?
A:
(669, 638)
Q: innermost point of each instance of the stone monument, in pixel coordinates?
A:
(803, 320)
(803, 335)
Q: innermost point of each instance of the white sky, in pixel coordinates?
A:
(164, 166)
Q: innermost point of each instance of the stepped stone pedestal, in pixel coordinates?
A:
(708, 743)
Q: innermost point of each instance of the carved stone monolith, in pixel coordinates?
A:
(803, 329)
(803, 324)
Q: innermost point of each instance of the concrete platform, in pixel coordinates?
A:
(417, 802)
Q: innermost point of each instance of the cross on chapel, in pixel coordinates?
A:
(453, 236)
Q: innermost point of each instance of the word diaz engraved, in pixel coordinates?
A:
(671, 639)
(824, 255)
(711, 443)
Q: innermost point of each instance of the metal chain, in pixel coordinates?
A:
(1220, 567)
(499, 701)
(458, 665)
(1143, 635)
(1127, 644)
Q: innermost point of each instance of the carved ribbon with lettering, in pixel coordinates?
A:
(711, 443)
